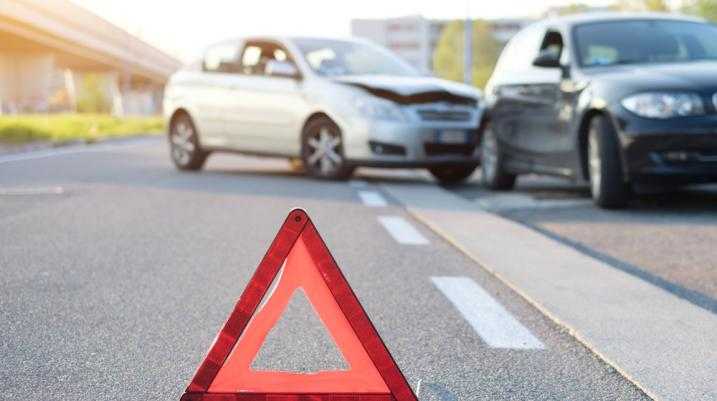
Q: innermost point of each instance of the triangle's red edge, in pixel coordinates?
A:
(357, 317)
(249, 301)
(285, 397)
(296, 224)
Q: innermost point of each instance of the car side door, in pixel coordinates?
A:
(556, 94)
(550, 113)
(515, 99)
(268, 105)
(210, 97)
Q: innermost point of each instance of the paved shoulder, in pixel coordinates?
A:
(620, 317)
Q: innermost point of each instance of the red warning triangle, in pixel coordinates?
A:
(298, 260)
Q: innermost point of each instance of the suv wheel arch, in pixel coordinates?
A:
(582, 143)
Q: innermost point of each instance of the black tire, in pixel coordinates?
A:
(493, 173)
(452, 175)
(607, 181)
(322, 151)
(184, 148)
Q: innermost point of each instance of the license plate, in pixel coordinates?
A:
(452, 137)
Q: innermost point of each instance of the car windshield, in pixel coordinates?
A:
(644, 42)
(339, 57)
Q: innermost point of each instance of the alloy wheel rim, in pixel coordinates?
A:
(324, 154)
(182, 145)
(594, 164)
(489, 154)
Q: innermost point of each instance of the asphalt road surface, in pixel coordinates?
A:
(118, 271)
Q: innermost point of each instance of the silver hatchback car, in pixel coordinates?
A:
(329, 105)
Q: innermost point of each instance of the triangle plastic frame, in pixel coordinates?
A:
(298, 224)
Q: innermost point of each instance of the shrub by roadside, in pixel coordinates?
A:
(59, 128)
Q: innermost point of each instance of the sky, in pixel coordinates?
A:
(184, 27)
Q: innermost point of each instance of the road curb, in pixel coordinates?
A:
(665, 345)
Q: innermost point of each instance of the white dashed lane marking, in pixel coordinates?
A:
(493, 323)
(372, 199)
(402, 231)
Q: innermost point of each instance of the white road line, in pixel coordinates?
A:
(495, 325)
(358, 184)
(32, 191)
(41, 154)
(372, 199)
(402, 231)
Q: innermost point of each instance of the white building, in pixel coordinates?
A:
(415, 38)
(409, 37)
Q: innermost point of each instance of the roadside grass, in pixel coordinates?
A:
(58, 128)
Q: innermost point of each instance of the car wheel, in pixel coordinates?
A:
(607, 184)
(493, 173)
(184, 144)
(451, 175)
(322, 150)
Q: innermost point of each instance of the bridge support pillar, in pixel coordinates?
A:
(28, 82)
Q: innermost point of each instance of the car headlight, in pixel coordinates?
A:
(378, 108)
(665, 105)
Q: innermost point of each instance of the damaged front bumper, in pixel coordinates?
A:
(433, 134)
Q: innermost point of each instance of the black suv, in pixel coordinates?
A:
(616, 99)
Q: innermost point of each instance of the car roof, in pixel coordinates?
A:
(590, 17)
(286, 39)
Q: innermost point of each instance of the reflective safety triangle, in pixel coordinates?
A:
(298, 260)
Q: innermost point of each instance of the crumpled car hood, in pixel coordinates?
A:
(413, 90)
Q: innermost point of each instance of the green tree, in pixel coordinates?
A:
(643, 5)
(575, 8)
(448, 56)
(92, 96)
(706, 9)
(657, 5)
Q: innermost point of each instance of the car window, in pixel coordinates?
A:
(256, 55)
(222, 58)
(251, 56)
(645, 41)
(338, 57)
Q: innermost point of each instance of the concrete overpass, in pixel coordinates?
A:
(49, 47)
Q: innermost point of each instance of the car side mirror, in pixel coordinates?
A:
(548, 59)
(283, 69)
